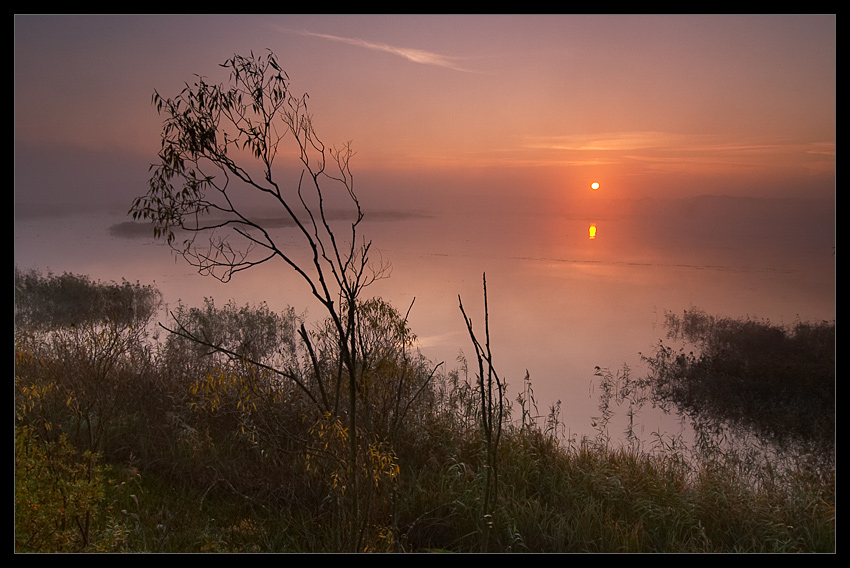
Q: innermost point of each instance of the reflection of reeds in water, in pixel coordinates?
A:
(757, 398)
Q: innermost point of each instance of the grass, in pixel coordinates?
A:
(552, 499)
(176, 451)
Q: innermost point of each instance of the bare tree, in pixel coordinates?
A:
(202, 196)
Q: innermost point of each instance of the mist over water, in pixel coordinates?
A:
(560, 303)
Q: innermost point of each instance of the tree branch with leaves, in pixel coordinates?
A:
(220, 159)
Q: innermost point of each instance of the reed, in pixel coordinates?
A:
(207, 454)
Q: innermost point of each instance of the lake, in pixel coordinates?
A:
(560, 302)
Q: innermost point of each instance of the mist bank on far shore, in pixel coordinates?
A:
(141, 229)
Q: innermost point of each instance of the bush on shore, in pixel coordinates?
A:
(125, 441)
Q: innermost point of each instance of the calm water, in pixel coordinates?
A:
(561, 303)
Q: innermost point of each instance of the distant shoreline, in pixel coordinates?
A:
(135, 229)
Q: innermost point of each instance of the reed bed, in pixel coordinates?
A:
(152, 449)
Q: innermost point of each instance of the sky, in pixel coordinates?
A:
(452, 110)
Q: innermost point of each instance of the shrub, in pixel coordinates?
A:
(61, 500)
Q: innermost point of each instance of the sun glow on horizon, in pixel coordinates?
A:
(594, 186)
(592, 231)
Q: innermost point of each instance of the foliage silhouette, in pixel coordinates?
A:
(223, 150)
(207, 451)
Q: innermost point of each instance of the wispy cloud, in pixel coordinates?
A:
(681, 152)
(609, 142)
(825, 148)
(415, 55)
(678, 143)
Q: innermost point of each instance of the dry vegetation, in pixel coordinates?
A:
(127, 440)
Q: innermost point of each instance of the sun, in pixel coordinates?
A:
(594, 185)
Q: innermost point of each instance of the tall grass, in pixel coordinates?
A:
(203, 453)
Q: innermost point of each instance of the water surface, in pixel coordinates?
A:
(569, 290)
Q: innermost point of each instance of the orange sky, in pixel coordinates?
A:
(460, 105)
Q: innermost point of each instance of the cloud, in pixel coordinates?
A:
(609, 142)
(683, 153)
(679, 144)
(824, 148)
(415, 55)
